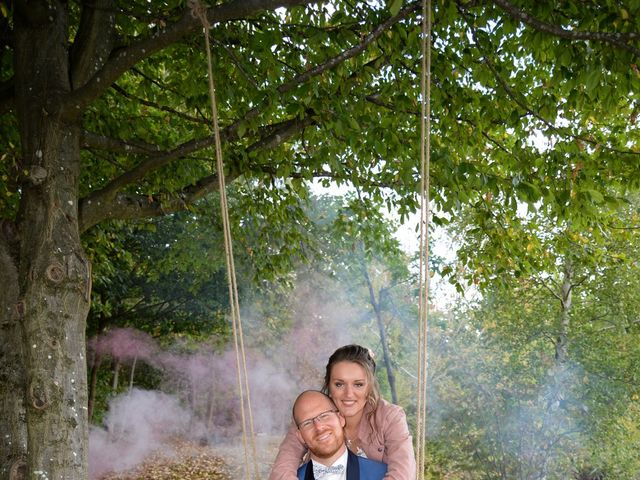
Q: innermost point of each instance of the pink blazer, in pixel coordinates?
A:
(390, 443)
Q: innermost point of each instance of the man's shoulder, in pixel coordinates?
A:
(302, 470)
(372, 465)
(371, 469)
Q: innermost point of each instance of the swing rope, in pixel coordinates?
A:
(423, 307)
(199, 11)
(423, 304)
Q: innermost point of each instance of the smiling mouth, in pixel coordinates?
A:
(323, 437)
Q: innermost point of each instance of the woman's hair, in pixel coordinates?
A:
(363, 357)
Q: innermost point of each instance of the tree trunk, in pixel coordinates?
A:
(53, 273)
(210, 408)
(116, 375)
(383, 336)
(97, 360)
(13, 431)
(562, 342)
(133, 373)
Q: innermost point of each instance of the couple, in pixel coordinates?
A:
(370, 426)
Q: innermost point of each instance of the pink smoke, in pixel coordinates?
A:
(124, 344)
(204, 384)
(138, 423)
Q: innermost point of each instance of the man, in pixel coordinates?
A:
(320, 428)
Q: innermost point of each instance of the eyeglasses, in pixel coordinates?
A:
(323, 417)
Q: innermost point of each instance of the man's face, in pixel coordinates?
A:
(320, 428)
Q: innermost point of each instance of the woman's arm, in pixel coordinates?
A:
(398, 446)
(289, 458)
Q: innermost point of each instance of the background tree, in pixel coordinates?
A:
(545, 316)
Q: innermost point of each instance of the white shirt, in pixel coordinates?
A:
(341, 460)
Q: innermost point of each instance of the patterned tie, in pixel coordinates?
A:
(320, 471)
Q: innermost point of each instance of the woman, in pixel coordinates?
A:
(374, 427)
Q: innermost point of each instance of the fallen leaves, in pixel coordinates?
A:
(188, 460)
(183, 459)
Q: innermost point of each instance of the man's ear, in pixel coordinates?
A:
(343, 421)
(299, 436)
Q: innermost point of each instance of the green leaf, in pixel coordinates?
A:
(242, 128)
(394, 6)
(595, 195)
(592, 80)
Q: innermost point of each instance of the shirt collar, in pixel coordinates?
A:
(341, 460)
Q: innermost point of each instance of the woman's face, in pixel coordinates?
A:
(349, 388)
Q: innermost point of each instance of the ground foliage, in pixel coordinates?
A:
(187, 460)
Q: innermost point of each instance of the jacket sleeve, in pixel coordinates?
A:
(398, 446)
(289, 457)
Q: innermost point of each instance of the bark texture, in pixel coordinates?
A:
(562, 343)
(13, 432)
(53, 271)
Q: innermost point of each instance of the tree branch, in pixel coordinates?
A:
(547, 287)
(236, 61)
(105, 195)
(282, 132)
(351, 52)
(615, 227)
(94, 41)
(162, 108)
(109, 203)
(617, 39)
(521, 102)
(96, 201)
(614, 326)
(121, 60)
(330, 63)
(99, 142)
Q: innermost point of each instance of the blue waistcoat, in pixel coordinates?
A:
(358, 468)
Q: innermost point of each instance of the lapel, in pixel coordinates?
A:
(353, 466)
(309, 473)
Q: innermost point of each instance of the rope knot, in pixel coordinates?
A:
(199, 11)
